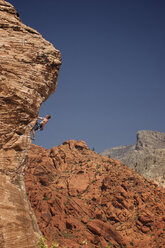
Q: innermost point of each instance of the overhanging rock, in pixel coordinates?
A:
(28, 76)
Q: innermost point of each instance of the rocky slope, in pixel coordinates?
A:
(28, 75)
(83, 199)
(146, 156)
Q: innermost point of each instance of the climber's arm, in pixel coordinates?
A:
(41, 118)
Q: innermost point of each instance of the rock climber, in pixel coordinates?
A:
(40, 125)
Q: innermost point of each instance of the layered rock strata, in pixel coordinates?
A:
(146, 156)
(83, 199)
(28, 75)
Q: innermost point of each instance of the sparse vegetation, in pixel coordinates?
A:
(84, 242)
(55, 244)
(46, 198)
(42, 243)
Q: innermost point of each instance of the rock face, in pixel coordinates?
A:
(147, 156)
(83, 199)
(28, 75)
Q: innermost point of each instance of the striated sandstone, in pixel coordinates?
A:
(83, 199)
(146, 156)
(28, 75)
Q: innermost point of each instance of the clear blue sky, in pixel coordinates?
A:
(111, 83)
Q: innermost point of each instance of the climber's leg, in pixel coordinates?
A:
(34, 134)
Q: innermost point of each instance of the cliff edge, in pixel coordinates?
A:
(28, 75)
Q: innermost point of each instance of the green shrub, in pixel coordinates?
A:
(41, 243)
(54, 245)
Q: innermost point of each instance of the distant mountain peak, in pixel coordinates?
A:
(151, 139)
(146, 156)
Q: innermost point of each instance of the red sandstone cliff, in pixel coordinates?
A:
(29, 67)
(83, 199)
(80, 198)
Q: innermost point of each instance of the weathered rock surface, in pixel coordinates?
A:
(83, 199)
(28, 75)
(147, 156)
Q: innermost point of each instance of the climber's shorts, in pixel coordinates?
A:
(37, 126)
